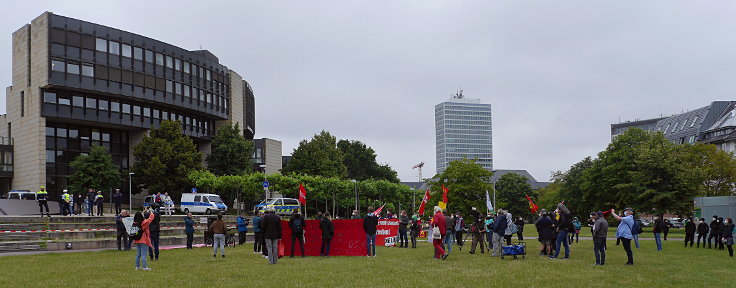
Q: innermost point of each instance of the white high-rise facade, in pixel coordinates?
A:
(464, 130)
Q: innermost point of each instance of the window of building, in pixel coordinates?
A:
(114, 106)
(136, 110)
(102, 105)
(186, 91)
(101, 45)
(78, 101)
(65, 101)
(58, 66)
(72, 68)
(683, 125)
(91, 103)
(674, 127)
(169, 62)
(186, 67)
(88, 71)
(95, 135)
(88, 55)
(178, 88)
(149, 56)
(159, 59)
(209, 75)
(164, 115)
(126, 108)
(169, 86)
(49, 97)
(127, 51)
(50, 156)
(137, 53)
(692, 139)
(155, 114)
(177, 64)
(694, 120)
(114, 48)
(146, 112)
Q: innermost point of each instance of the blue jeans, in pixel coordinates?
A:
(636, 240)
(562, 239)
(658, 239)
(140, 255)
(219, 242)
(449, 238)
(153, 252)
(370, 244)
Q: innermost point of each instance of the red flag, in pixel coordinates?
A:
(532, 207)
(424, 203)
(378, 211)
(606, 213)
(444, 193)
(302, 194)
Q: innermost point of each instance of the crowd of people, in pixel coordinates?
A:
(71, 204)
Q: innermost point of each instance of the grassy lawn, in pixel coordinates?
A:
(676, 266)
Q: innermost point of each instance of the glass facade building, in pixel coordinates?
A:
(464, 130)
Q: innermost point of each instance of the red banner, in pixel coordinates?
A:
(349, 238)
(387, 232)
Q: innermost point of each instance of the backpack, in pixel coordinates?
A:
(136, 232)
(513, 228)
(636, 230)
(298, 225)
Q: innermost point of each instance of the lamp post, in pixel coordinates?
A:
(413, 200)
(355, 187)
(130, 191)
(265, 179)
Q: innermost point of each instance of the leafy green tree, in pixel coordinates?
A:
(95, 170)
(317, 157)
(164, 159)
(511, 189)
(571, 188)
(360, 161)
(467, 183)
(231, 152)
(549, 196)
(714, 168)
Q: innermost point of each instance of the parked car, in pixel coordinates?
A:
(283, 206)
(22, 195)
(201, 203)
(676, 224)
(646, 223)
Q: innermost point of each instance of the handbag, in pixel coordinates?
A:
(436, 232)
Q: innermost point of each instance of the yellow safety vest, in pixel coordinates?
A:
(66, 197)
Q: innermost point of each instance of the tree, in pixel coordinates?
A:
(95, 171)
(466, 184)
(511, 190)
(571, 188)
(231, 152)
(714, 168)
(317, 157)
(164, 159)
(360, 161)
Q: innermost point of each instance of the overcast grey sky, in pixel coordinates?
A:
(558, 73)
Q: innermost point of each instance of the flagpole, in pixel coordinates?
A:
(494, 195)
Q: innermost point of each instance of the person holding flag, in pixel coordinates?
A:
(369, 225)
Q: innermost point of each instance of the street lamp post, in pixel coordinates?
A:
(130, 191)
(355, 187)
(265, 179)
(413, 200)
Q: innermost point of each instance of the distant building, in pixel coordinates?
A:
(723, 131)
(530, 179)
(464, 130)
(267, 152)
(285, 161)
(646, 125)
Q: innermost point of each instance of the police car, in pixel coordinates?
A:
(282, 206)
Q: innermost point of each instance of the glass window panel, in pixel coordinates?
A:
(159, 59)
(95, 135)
(50, 131)
(114, 48)
(126, 108)
(186, 91)
(209, 75)
(102, 104)
(72, 68)
(101, 45)
(72, 52)
(87, 55)
(49, 97)
(169, 62)
(105, 137)
(137, 110)
(88, 71)
(127, 51)
(178, 88)
(186, 67)
(164, 115)
(177, 64)
(146, 112)
(114, 106)
(91, 103)
(50, 156)
(57, 65)
(137, 53)
(61, 132)
(169, 86)
(149, 56)
(155, 114)
(78, 101)
(73, 133)
(65, 101)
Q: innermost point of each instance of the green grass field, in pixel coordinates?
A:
(676, 266)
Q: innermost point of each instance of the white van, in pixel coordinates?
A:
(201, 203)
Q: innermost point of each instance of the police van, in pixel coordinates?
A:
(201, 203)
(282, 206)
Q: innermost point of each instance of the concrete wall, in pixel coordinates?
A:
(236, 103)
(723, 206)
(272, 155)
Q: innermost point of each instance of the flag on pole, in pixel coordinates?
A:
(444, 193)
(532, 207)
(424, 203)
(378, 211)
(489, 206)
(302, 194)
(606, 213)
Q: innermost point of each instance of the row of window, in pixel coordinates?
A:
(680, 124)
(468, 122)
(458, 112)
(469, 127)
(467, 132)
(469, 155)
(465, 117)
(469, 107)
(486, 146)
(469, 141)
(72, 67)
(467, 150)
(466, 136)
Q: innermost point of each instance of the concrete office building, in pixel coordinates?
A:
(77, 84)
(463, 128)
(267, 152)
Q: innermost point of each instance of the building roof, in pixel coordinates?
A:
(726, 122)
(530, 179)
(681, 126)
(416, 185)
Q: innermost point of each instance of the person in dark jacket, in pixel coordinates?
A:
(78, 202)
(499, 230)
(415, 227)
(478, 231)
(520, 228)
(296, 223)
(545, 230)
(242, 223)
(714, 231)
(189, 229)
(449, 233)
(271, 227)
(258, 242)
(328, 231)
(91, 202)
(600, 232)
(722, 229)
(155, 229)
(117, 199)
(727, 238)
(702, 232)
(459, 229)
(689, 231)
(100, 202)
(403, 228)
(562, 227)
(369, 226)
(122, 232)
(666, 229)
(659, 226)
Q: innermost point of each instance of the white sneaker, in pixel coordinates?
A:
(136, 268)
(147, 269)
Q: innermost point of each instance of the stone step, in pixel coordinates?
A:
(111, 243)
(24, 245)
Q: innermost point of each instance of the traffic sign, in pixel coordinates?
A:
(194, 190)
(266, 184)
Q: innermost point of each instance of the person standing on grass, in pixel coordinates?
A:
(562, 228)
(271, 228)
(242, 227)
(702, 232)
(369, 226)
(499, 229)
(478, 231)
(258, 242)
(544, 232)
(296, 223)
(142, 244)
(659, 227)
(520, 228)
(577, 226)
(459, 229)
(508, 233)
(403, 227)
(122, 232)
(624, 232)
(415, 227)
(449, 233)
(439, 222)
(600, 232)
(117, 199)
(727, 238)
(689, 231)
(489, 231)
(328, 231)
(714, 231)
(218, 229)
(722, 229)
(155, 233)
(189, 229)
(666, 229)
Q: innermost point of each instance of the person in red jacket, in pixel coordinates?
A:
(440, 222)
(142, 244)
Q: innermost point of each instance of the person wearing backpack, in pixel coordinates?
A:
(140, 233)
(297, 231)
(636, 230)
(328, 231)
(511, 228)
(659, 227)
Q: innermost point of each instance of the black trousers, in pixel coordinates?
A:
(117, 208)
(599, 248)
(713, 236)
(520, 235)
(402, 238)
(294, 238)
(123, 235)
(508, 239)
(99, 209)
(257, 245)
(241, 237)
(689, 237)
(41, 205)
(324, 249)
(459, 238)
(414, 235)
(190, 239)
(702, 236)
(627, 248)
(153, 252)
